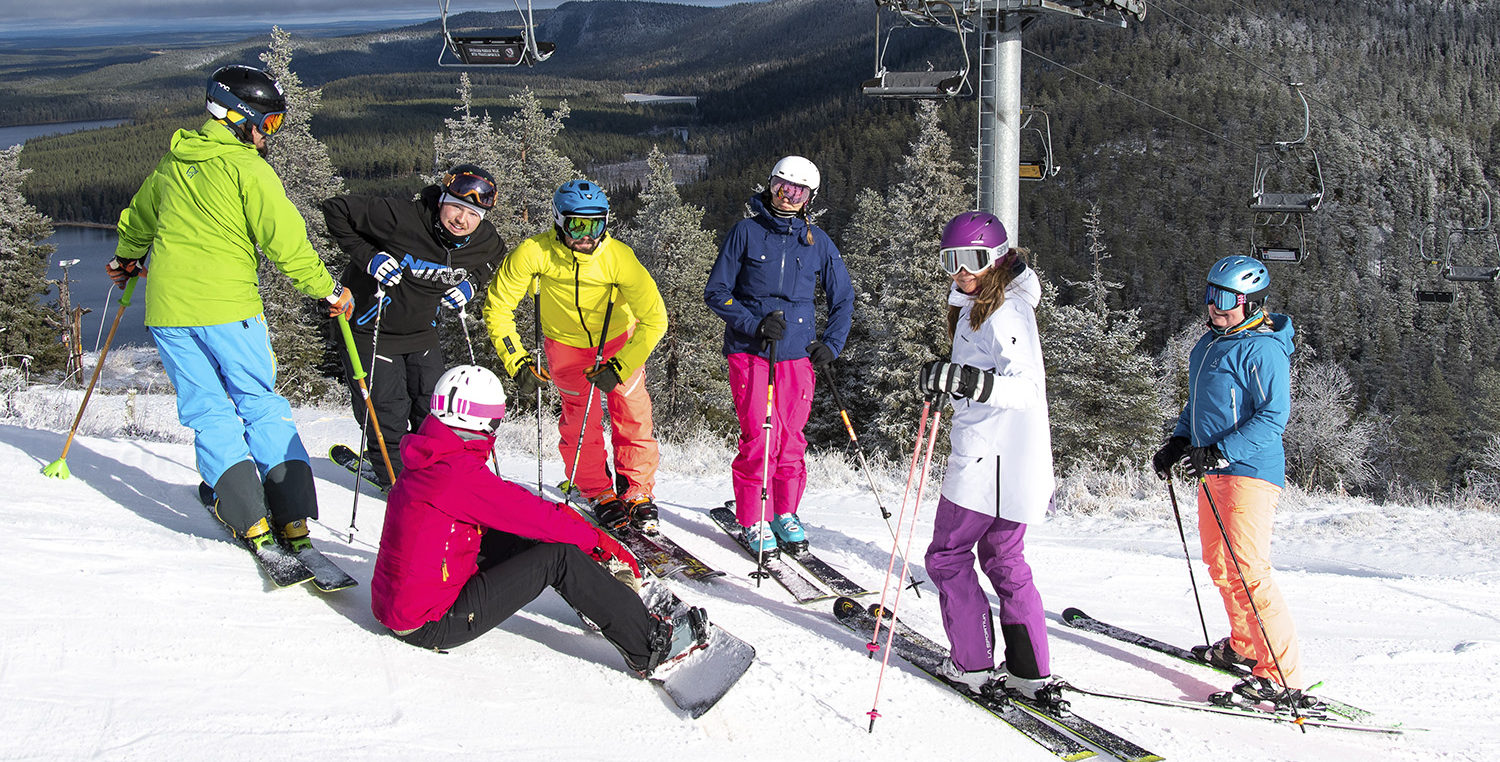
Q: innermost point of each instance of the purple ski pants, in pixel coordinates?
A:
(957, 534)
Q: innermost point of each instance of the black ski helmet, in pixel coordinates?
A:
(253, 95)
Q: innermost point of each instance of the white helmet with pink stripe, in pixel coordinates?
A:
(469, 397)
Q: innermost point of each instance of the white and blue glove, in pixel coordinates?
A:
(384, 269)
(456, 297)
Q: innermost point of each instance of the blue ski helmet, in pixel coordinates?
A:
(1237, 279)
(579, 198)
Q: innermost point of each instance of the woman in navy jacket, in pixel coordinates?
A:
(763, 286)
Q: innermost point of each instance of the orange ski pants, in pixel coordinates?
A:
(636, 452)
(1247, 506)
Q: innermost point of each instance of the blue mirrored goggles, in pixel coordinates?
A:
(1222, 298)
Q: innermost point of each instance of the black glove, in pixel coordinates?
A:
(529, 377)
(1169, 455)
(820, 354)
(1201, 460)
(772, 327)
(941, 377)
(606, 376)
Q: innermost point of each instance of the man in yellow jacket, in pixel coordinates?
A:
(593, 293)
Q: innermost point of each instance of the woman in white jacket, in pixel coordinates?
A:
(999, 476)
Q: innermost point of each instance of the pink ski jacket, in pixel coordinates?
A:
(445, 499)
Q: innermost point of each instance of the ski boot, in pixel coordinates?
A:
(789, 533)
(977, 681)
(1256, 689)
(761, 539)
(643, 514)
(1223, 656)
(1042, 691)
(294, 536)
(612, 512)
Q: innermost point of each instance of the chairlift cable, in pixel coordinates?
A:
(1138, 101)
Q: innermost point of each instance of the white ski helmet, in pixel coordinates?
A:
(795, 169)
(469, 397)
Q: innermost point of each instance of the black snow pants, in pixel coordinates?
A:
(513, 571)
(401, 393)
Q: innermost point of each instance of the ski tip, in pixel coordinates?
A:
(206, 494)
(845, 605)
(1071, 615)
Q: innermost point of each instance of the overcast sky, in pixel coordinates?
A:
(173, 14)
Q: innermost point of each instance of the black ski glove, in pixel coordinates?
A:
(1169, 455)
(529, 377)
(820, 354)
(772, 326)
(1201, 460)
(606, 376)
(941, 377)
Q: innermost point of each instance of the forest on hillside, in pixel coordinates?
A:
(1155, 126)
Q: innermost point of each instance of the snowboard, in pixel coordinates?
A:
(697, 682)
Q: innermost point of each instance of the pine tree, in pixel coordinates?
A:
(900, 314)
(1103, 403)
(27, 328)
(1327, 443)
(686, 373)
(300, 333)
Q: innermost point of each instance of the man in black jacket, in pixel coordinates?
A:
(421, 255)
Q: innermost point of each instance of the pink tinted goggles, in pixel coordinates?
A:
(790, 192)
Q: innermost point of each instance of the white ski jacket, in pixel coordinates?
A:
(1001, 461)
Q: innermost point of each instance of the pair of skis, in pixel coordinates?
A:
(1059, 731)
(654, 550)
(802, 588)
(283, 566)
(1333, 714)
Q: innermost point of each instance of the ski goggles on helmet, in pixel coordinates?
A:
(584, 227)
(474, 189)
(790, 192)
(1222, 298)
(975, 259)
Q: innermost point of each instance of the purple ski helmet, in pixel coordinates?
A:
(973, 241)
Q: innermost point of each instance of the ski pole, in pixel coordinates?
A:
(864, 465)
(911, 531)
(536, 307)
(1172, 493)
(765, 455)
(1259, 623)
(463, 320)
(364, 391)
(609, 309)
(58, 469)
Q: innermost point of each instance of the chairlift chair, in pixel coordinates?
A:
(473, 50)
(1430, 288)
(933, 83)
(1286, 246)
(1032, 167)
(1480, 240)
(1294, 154)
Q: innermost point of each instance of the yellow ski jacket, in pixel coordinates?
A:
(575, 288)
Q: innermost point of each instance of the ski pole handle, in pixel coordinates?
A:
(359, 370)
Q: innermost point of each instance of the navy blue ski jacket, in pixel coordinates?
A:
(766, 263)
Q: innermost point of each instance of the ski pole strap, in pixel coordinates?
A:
(359, 370)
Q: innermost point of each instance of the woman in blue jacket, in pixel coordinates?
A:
(763, 286)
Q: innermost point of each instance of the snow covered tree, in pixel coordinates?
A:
(900, 312)
(299, 327)
(1327, 443)
(687, 371)
(519, 151)
(27, 328)
(1103, 402)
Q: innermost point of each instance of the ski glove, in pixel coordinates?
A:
(1170, 455)
(340, 302)
(606, 376)
(608, 549)
(959, 381)
(384, 269)
(529, 378)
(820, 354)
(1201, 460)
(772, 326)
(122, 270)
(456, 297)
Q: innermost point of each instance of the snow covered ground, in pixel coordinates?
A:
(131, 628)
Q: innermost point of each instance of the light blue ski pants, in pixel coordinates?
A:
(225, 377)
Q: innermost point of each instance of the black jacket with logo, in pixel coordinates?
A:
(363, 226)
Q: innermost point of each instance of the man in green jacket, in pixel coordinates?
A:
(205, 214)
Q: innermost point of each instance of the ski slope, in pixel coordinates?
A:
(133, 629)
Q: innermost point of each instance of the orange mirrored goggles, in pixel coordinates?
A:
(270, 124)
(472, 188)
